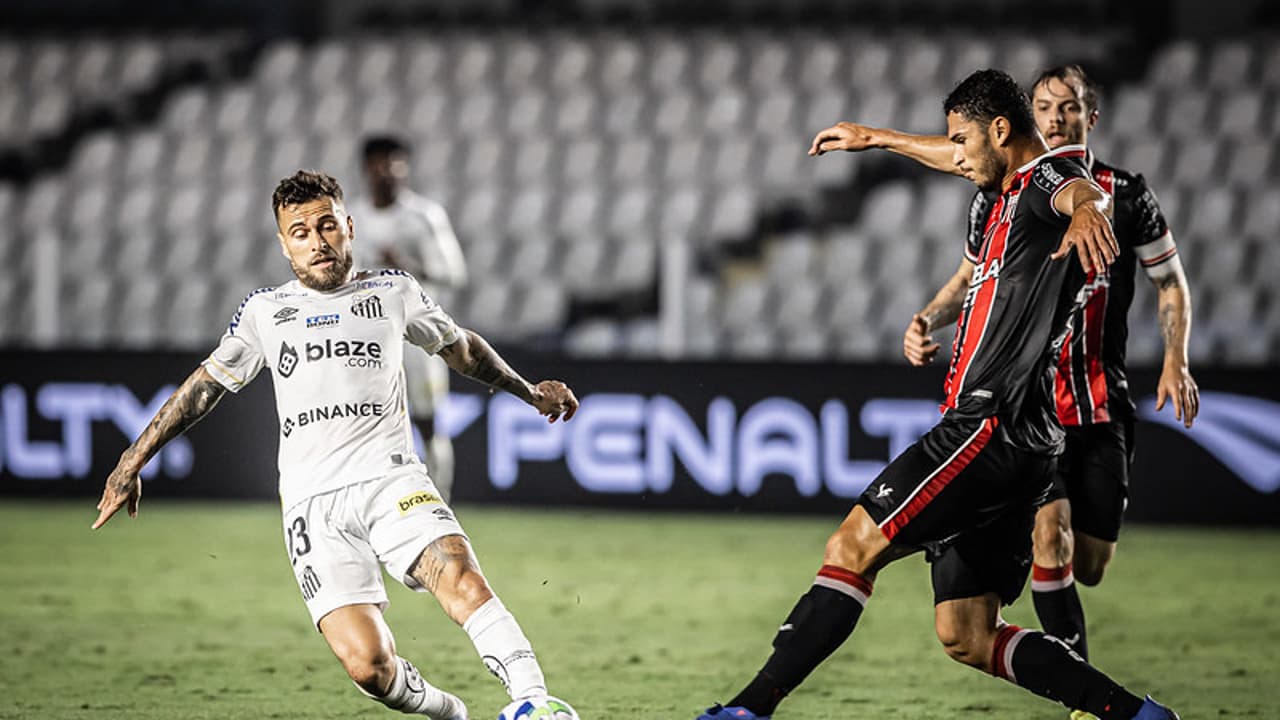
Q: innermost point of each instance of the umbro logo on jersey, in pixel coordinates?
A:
(322, 321)
(285, 315)
(369, 307)
(288, 361)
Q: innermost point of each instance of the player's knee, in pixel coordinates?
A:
(373, 671)
(965, 646)
(1090, 567)
(856, 545)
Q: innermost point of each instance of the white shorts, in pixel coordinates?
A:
(337, 540)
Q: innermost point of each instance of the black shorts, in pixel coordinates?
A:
(969, 499)
(1093, 475)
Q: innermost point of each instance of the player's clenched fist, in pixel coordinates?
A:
(553, 399)
(917, 344)
(843, 136)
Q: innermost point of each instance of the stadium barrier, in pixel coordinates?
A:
(757, 437)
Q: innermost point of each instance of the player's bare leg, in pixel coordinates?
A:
(363, 643)
(1053, 576)
(1092, 556)
(972, 632)
(448, 569)
(825, 616)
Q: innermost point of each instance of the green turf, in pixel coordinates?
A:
(191, 612)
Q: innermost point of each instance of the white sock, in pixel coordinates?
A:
(410, 693)
(505, 650)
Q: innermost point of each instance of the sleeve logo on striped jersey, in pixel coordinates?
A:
(1047, 177)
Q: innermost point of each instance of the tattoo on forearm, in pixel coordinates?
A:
(188, 404)
(1173, 310)
(488, 367)
(448, 551)
(1168, 322)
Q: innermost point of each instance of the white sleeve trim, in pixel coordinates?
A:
(1154, 253)
(1054, 197)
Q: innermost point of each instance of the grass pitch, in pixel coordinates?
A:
(191, 612)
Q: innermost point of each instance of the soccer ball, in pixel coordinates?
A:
(547, 708)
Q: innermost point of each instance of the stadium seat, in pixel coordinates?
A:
(1230, 64)
(540, 307)
(1176, 66)
(1249, 163)
(798, 305)
(1241, 113)
(1187, 113)
(752, 342)
(595, 338)
(1133, 114)
(889, 209)
(642, 339)
(745, 303)
(608, 140)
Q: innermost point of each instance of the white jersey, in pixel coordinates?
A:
(416, 227)
(336, 358)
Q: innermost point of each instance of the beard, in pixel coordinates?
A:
(324, 279)
(989, 171)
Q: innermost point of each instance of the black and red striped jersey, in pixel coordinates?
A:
(1091, 382)
(1015, 313)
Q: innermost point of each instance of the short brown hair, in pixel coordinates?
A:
(1068, 73)
(304, 186)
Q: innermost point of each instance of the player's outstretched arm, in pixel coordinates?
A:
(932, 151)
(1090, 210)
(917, 342)
(471, 355)
(184, 408)
(1173, 302)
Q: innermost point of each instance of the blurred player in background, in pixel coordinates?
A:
(968, 489)
(404, 230)
(1077, 529)
(354, 494)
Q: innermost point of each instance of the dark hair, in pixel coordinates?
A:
(304, 186)
(988, 94)
(384, 145)
(1068, 73)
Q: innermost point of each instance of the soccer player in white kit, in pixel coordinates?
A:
(354, 494)
(403, 230)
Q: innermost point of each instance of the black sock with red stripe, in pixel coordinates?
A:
(819, 623)
(1045, 665)
(1058, 606)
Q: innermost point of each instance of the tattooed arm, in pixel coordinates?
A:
(1174, 308)
(188, 404)
(472, 356)
(917, 342)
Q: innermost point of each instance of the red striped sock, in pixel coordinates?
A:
(846, 581)
(1044, 579)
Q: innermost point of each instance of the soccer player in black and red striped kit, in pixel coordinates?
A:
(1078, 526)
(967, 491)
